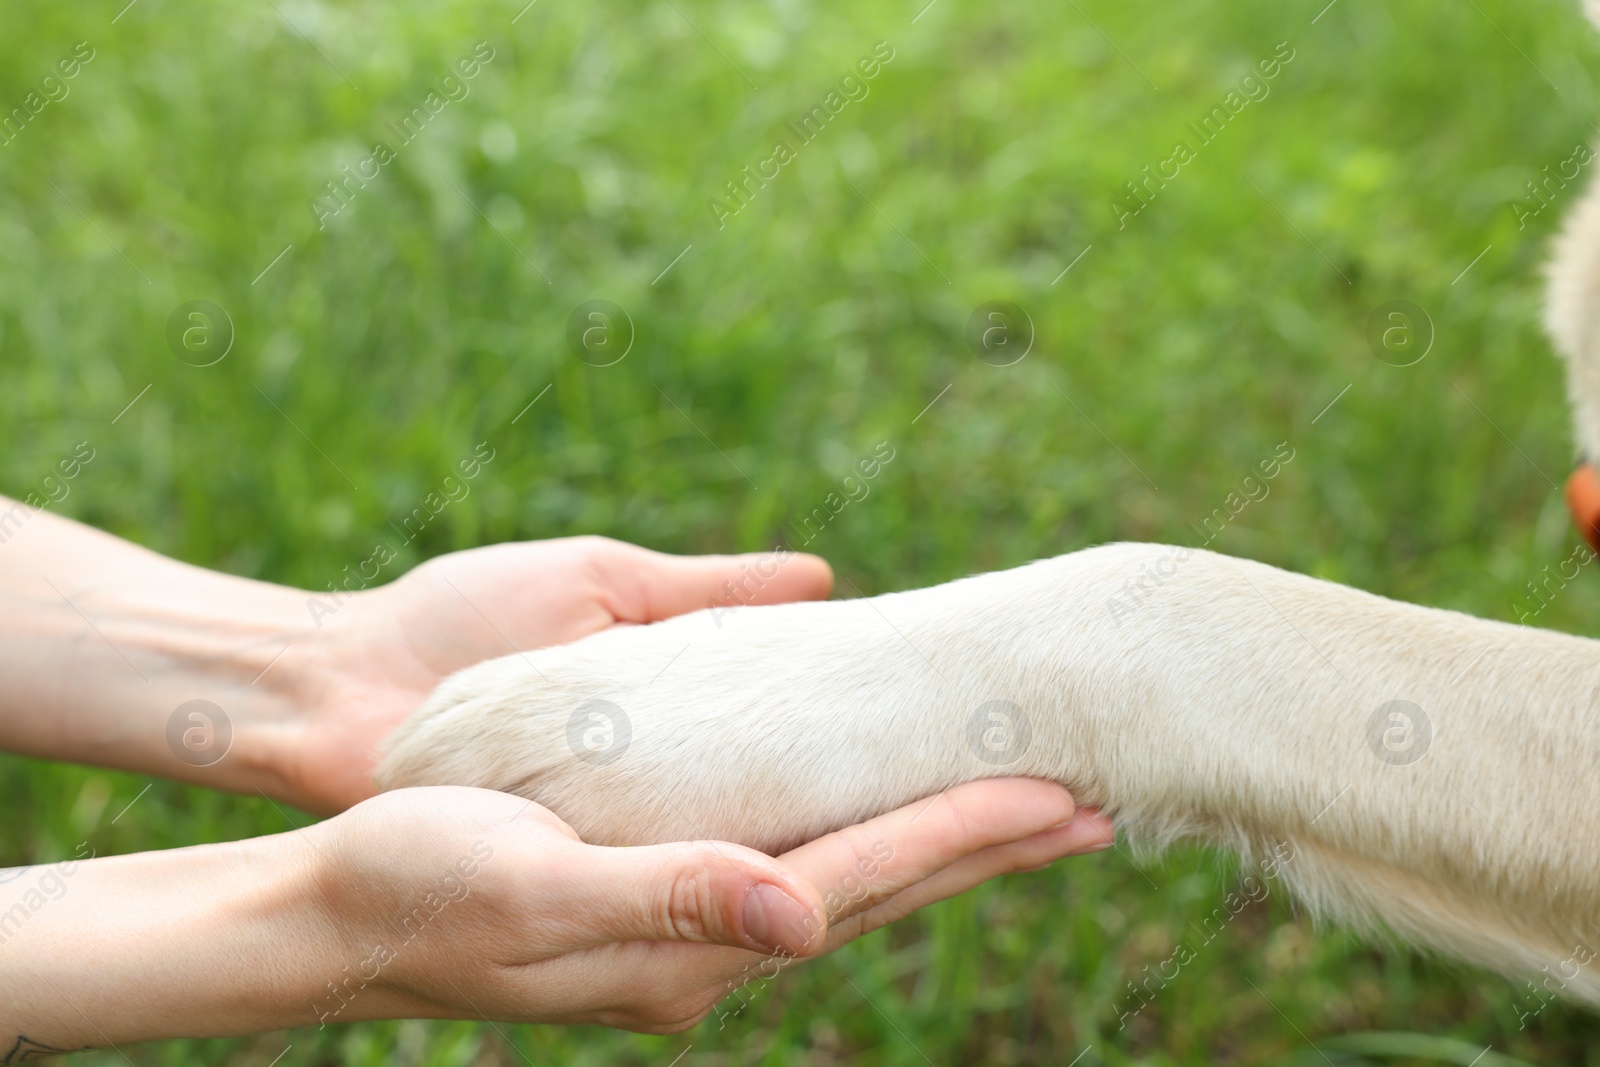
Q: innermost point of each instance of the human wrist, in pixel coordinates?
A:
(272, 928)
(224, 666)
(101, 641)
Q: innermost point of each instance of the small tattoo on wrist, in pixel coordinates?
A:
(26, 1050)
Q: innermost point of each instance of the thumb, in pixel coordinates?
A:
(705, 891)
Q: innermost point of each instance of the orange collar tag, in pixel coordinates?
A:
(1583, 500)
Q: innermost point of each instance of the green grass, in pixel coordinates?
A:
(821, 319)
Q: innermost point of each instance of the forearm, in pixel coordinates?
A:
(101, 642)
(212, 940)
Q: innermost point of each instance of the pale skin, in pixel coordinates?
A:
(435, 902)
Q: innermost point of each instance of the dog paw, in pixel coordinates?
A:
(766, 725)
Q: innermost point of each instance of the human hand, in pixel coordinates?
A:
(103, 645)
(386, 649)
(496, 910)
(491, 908)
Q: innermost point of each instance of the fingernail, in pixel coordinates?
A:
(776, 921)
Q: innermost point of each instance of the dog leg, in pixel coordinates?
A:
(1431, 774)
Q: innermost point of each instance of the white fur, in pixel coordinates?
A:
(1231, 704)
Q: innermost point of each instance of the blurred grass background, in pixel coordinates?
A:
(824, 317)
